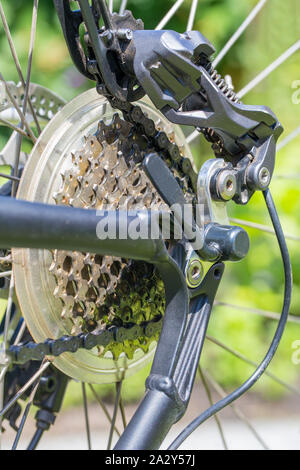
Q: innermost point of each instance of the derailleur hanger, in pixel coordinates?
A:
(210, 236)
(253, 172)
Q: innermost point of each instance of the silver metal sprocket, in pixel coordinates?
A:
(53, 155)
(102, 291)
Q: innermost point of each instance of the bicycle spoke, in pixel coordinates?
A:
(169, 15)
(24, 388)
(122, 409)
(104, 408)
(5, 259)
(26, 91)
(86, 416)
(114, 417)
(30, 54)
(123, 7)
(256, 311)
(24, 416)
(8, 311)
(192, 15)
(289, 138)
(252, 363)
(9, 177)
(17, 63)
(4, 359)
(20, 333)
(287, 177)
(193, 136)
(239, 32)
(237, 411)
(2, 377)
(262, 228)
(19, 111)
(5, 274)
(17, 129)
(2, 374)
(216, 417)
(265, 73)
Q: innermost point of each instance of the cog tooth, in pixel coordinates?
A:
(56, 197)
(105, 174)
(114, 119)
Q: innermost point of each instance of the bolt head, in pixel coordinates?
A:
(107, 37)
(194, 272)
(129, 34)
(226, 185)
(264, 177)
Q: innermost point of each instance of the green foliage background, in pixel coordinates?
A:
(257, 281)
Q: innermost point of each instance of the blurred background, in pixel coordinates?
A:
(250, 297)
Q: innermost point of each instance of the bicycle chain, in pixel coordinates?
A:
(55, 347)
(168, 150)
(172, 156)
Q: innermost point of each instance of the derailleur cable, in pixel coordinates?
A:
(288, 282)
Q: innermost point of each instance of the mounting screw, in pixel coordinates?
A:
(194, 272)
(107, 37)
(92, 67)
(125, 34)
(264, 177)
(226, 185)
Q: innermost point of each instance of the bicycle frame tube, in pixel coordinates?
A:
(34, 225)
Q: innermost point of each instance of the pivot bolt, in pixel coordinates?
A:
(194, 273)
(125, 34)
(92, 67)
(107, 37)
(226, 185)
(264, 177)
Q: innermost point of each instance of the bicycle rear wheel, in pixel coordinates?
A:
(33, 185)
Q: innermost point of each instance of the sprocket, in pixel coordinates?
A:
(102, 291)
(58, 151)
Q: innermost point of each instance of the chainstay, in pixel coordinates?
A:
(32, 351)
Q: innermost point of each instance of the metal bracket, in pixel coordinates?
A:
(210, 235)
(209, 210)
(171, 67)
(170, 383)
(70, 22)
(176, 73)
